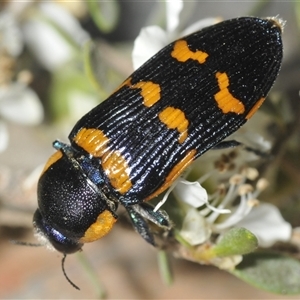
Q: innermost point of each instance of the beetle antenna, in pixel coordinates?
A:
(65, 274)
(20, 243)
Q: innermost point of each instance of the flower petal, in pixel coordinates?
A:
(20, 104)
(3, 137)
(194, 228)
(150, 40)
(227, 263)
(191, 193)
(173, 9)
(266, 222)
(257, 141)
(47, 36)
(235, 217)
(10, 35)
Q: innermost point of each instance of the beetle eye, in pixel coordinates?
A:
(49, 235)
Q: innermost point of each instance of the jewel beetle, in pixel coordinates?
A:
(130, 148)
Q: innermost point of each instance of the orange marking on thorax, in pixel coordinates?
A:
(255, 108)
(101, 227)
(226, 102)
(182, 53)
(174, 118)
(53, 158)
(175, 173)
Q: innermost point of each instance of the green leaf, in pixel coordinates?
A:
(103, 76)
(271, 272)
(67, 82)
(63, 33)
(236, 241)
(105, 14)
(297, 12)
(88, 66)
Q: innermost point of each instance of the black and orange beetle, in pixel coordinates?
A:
(183, 101)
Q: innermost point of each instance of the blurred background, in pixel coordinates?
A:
(46, 86)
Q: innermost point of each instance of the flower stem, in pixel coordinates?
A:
(90, 271)
(164, 267)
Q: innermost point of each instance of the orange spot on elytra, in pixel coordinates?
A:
(182, 53)
(117, 170)
(150, 92)
(175, 173)
(92, 141)
(115, 166)
(101, 227)
(175, 118)
(226, 102)
(255, 108)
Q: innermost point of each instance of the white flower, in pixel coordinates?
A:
(266, 222)
(3, 136)
(252, 140)
(262, 219)
(53, 35)
(153, 38)
(11, 39)
(20, 104)
(195, 229)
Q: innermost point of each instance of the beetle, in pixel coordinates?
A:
(182, 102)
